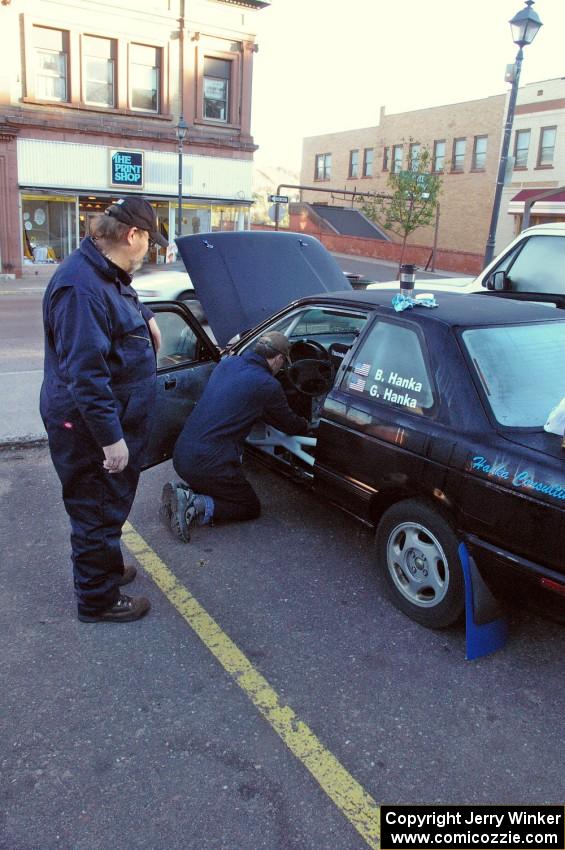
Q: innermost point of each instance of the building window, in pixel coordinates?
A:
(458, 160)
(546, 146)
(217, 77)
(521, 147)
(480, 153)
(414, 156)
(323, 166)
(439, 155)
(385, 159)
(99, 64)
(145, 77)
(51, 62)
(368, 162)
(397, 152)
(354, 163)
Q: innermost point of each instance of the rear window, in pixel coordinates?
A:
(390, 367)
(521, 369)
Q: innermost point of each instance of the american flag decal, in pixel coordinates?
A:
(357, 384)
(362, 369)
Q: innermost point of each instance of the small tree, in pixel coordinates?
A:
(412, 200)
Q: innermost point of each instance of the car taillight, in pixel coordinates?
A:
(549, 584)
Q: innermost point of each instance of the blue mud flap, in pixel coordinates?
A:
(486, 626)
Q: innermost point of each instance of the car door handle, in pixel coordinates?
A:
(170, 383)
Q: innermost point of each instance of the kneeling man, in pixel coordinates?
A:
(209, 449)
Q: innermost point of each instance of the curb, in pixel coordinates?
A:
(22, 442)
(22, 290)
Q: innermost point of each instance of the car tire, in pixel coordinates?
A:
(417, 556)
(187, 295)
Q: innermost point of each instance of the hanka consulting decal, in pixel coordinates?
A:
(523, 479)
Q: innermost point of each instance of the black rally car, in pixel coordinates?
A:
(427, 424)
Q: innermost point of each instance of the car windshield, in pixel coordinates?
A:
(521, 370)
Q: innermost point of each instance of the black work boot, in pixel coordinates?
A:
(128, 575)
(124, 610)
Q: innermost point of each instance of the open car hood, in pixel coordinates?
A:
(243, 278)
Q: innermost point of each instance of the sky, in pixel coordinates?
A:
(326, 65)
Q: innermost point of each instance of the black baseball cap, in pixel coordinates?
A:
(137, 212)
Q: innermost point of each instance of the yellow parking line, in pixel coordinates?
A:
(348, 795)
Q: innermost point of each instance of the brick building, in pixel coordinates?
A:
(464, 139)
(90, 97)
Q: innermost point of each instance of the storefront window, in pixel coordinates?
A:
(230, 218)
(48, 227)
(194, 219)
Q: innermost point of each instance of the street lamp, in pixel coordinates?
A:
(182, 129)
(525, 26)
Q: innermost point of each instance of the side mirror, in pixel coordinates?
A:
(498, 282)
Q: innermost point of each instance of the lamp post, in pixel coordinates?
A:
(525, 26)
(182, 129)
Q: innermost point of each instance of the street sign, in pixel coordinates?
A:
(421, 178)
(278, 199)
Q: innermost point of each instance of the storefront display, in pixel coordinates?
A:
(53, 225)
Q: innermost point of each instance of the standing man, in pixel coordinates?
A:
(208, 451)
(97, 396)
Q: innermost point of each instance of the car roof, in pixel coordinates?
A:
(453, 309)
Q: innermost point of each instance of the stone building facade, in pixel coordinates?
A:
(537, 148)
(91, 92)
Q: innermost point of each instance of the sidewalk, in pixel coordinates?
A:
(34, 279)
(20, 422)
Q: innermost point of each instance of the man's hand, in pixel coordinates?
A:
(116, 456)
(155, 333)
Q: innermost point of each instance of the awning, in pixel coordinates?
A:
(526, 194)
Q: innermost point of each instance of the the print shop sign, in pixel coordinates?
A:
(126, 169)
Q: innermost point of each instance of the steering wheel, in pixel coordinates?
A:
(308, 349)
(312, 373)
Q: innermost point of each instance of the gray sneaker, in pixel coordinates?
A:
(182, 512)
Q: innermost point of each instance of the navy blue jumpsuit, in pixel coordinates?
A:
(208, 452)
(99, 386)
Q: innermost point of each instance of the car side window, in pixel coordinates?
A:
(325, 325)
(319, 320)
(538, 267)
(390, 367)
(179, 343)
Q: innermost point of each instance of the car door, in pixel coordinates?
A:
(184, 363)
(378, 422)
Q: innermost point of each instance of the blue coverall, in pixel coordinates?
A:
(99, 386)
(208, 452)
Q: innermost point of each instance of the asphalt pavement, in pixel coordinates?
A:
(269, 701)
